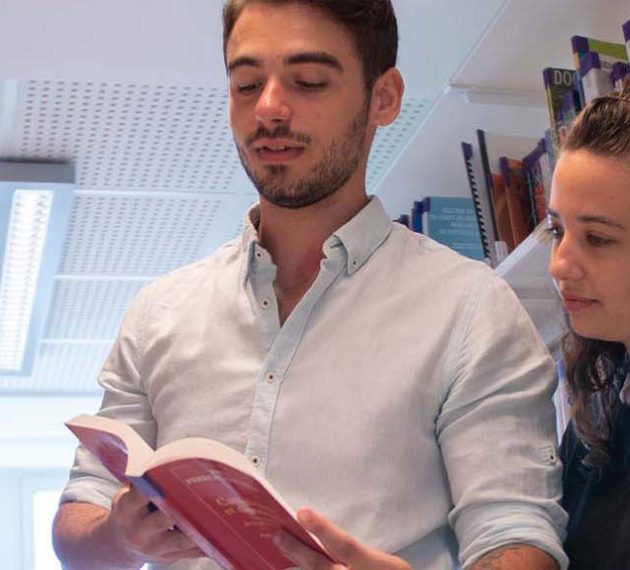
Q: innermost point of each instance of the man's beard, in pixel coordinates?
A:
(335, 168)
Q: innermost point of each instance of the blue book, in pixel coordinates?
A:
(453, 222)
(416, 216)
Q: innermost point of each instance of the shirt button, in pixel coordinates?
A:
(259, 254)
(256, 460)
(265, 303)
(271, 377)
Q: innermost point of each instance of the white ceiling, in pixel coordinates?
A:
(133, 93)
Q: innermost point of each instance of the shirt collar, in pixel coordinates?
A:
(360, 237)
(249, 239)
(363, 234)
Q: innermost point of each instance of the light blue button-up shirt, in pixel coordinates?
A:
(407, 396)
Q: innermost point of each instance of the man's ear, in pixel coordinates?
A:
(387, 97)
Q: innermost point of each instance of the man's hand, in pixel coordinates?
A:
(349, 552)
(90, 537)
(145, 534)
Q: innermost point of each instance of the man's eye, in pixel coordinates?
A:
(311, 85)
(247, 88)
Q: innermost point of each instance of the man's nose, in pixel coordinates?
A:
(273, 106)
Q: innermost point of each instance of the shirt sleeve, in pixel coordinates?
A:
(496, 430)
(124, 399)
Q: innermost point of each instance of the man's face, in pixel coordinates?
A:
(298, 107)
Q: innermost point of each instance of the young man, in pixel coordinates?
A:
(397, 387)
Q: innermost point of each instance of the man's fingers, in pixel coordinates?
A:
(169, 543)
(301, 554)
(339, 544)
(345, 549)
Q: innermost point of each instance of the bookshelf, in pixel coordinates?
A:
(499, 88)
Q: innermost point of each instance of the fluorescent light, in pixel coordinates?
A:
(28, 222)
(35, 201)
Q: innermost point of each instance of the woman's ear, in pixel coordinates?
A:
(387, 96)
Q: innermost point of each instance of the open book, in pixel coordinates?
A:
(211, 492)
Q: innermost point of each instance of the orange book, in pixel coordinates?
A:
(210, 491)
(501, 213)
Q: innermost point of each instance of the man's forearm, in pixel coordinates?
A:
(83, 541)
(516, 557)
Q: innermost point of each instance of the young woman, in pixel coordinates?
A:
(589, 218)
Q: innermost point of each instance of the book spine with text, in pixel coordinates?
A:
(558, 82)
(452, 221)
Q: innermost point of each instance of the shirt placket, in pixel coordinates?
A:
(284, 342)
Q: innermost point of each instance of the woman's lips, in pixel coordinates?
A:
(574, 303)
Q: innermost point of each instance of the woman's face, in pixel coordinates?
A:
(589, 217)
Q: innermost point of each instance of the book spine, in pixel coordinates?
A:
(619, 71)
(596, 82)
(546, 168)
(416, 216)
(557, 82)
(485, 164)
(500, 207)
(514, 193)
(147, 487)
(478, 199)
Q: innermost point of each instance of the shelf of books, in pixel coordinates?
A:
(510, 105)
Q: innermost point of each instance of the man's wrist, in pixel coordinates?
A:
(516, 557)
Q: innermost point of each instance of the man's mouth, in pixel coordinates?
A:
(277, 152)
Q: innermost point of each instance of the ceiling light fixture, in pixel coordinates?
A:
(35, 202)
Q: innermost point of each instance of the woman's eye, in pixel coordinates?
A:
(555, 231)
(598, 241)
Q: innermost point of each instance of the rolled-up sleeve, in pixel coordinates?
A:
(496, 430)
(125, 399)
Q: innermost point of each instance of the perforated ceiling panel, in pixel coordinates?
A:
(392, 140)
(151, 137)
(61, 368)
(137, 235)
(88, 309)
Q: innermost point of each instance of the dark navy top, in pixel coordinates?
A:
(598, 501)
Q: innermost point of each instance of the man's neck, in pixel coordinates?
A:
(294, 239)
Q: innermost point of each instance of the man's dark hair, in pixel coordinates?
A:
(372, 24)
